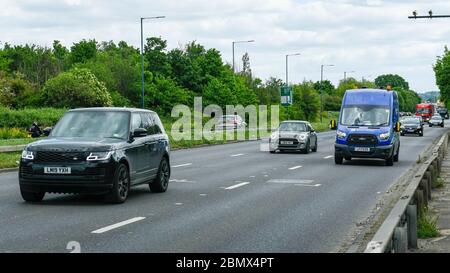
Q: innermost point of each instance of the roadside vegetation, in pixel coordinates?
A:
(427, 225)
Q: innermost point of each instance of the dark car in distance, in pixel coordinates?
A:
(436, 121)
(411, 126)
(102, 151)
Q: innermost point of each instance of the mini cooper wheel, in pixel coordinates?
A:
(121, 185)
(315, 148)
(161, 183)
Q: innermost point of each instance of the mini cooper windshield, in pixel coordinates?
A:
(292, 127)
(97, 124)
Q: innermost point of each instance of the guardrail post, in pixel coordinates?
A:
(433, 175)
(423, 187)
(400, 239)
(436, 168)
(428, 178)
(420, 201)
(411, 216)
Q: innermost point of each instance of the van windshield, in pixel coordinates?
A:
(96, 124)
(365, 115)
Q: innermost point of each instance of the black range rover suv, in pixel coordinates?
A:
(98, 151)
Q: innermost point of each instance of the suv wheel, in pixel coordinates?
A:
(32, 196)
(121, 185)
(161, 182)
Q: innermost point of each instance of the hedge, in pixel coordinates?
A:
(24, 118)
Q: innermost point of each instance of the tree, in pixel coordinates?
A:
(83, 51)
(442, 73)
(393, 80)
(16, 91)
(76, 88)
(155, 55)
(326, 87)
(306, 103)
(246, 70)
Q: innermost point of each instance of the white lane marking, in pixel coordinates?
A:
(203, 194)
(118, 225)
(178, 204)
(329, 156)
(252, 176)
(295, 167)
(237, 185)
(181, 181)
(290, 181)
(182, 165)
(306, 185)
(236, 155)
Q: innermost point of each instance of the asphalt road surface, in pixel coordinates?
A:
(225, 198)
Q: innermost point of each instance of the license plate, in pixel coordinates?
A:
(362, 149)
(286, 142)
(57, 170)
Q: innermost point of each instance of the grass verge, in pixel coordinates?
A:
(8, 160)
(427, 225)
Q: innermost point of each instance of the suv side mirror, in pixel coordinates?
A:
(140, 132)
(47, 131)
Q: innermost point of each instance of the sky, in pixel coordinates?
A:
(369, 37)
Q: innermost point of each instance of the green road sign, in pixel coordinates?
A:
(286, 95)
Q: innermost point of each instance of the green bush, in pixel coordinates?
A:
(7, 133)
(76, 88)
(24, 118)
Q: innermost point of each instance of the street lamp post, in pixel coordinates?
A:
(239, 42)
(345, 74)
(142, 53)
(321, 89)
(287, 66)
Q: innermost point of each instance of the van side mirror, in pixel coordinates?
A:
(398, 127)
(140, 132)
(333, 124)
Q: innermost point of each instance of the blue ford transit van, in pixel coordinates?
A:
(368, 126)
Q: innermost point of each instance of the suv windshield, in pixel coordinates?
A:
(292, 127)
(98, 124)
(365, 115)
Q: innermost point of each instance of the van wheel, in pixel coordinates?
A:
(397, 155)
(121, 185)
(161, 183)
(421, 133)
(338, 159)
(32, 196)
(390, 161)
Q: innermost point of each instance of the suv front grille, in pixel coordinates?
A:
(61, 156)
(356, 139)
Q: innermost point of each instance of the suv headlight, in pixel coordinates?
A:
(385, 136)
(274, 135)
(95, 156)
(29, 155)
(341, 134)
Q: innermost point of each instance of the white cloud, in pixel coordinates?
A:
(369, 36)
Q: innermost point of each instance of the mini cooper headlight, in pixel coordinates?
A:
(341, 134)
(385, 136)
(96, 156)
(274, 135)
(29, 155)
(301, 137)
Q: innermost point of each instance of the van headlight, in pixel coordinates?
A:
(29, 155)
(341, 134)
(385, 136)
(96, 156)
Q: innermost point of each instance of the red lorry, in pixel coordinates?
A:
(425, 110)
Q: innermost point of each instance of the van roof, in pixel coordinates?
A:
(368, 97)
(106, 109)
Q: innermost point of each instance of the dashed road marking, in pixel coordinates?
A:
(118, 225)
(295, 167)
(290, 181)
(237, 185)
(328, 156)
(182, 165)
(181, 181)
(236, 155)
(307, 185)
